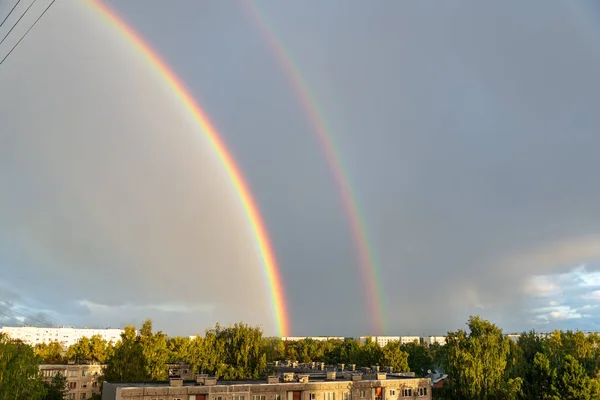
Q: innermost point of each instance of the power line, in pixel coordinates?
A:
(10, 12)
(16, 23)
(26, 315)
(28, 30)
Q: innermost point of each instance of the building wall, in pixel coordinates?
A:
(393, 389)
(82, 380)
(434, 339)
(65, 336)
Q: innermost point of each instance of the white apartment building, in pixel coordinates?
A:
(382, 341)
(319, 338)
(65, 336)
(410, 339)
(429, 340)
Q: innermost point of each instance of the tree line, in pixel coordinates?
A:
(480, 361)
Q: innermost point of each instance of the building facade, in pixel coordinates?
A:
(318, 338)
(351, 387)
(82, 380)
(429, 340)
(65, 336)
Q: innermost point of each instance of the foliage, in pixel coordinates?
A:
(57, 388)
(50, 353)
(20, 378)
(477, 360)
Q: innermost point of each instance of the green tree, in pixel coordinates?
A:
(420, 359)
(20, 377)
(273, 348)
(126, 363)
(369, 354)
(394, 356)
(154, 352)
(50, 353)
(477, 360)
(574, 384)
(57, 388)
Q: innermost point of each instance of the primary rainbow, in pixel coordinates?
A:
(369, 271)
(199, 115)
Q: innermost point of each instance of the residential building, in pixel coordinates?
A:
(65, 336)
(291, 386)
(319, 338)
(82, 380)
(409, 339)
(429, 340)
(382, 341)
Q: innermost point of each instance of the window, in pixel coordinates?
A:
(219, 398)
(72, 385)
(422, 391)
(277, 397)
(363, 394)
(407, 392)
(84, 385)
(313, 396)
(347, 396)
(94, 384)
(73, 373)
(84, 373)
(259, 397)
(238, 397)
(392, 392)
(83, 396)
(329, 396)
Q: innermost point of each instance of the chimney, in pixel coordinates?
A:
(176, 382)
(331, 375)
(357, 377)
(375, 368)
(303, 378)
(273, 379)
(352, 367)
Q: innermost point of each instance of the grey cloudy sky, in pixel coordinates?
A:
(468, 130)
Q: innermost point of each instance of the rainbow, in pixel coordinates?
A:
(201, 118)
(369, 270)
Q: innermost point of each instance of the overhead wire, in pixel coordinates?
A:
(17, 22)
(10, 12)
(28, 30)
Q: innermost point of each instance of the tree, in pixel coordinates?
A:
(477, 360)
(126, 363)
(50, 353)
(542, 381)
(574, 383)
(394, 356)
(154, 352)
(20, 377)
(370, 354)
(57, 388)
(419, 357)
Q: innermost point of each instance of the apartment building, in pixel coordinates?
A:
(82, 380)
(318, 338)
(65, 336)
(429, 340)
(382, 341)
(329, 386)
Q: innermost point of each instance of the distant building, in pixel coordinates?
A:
(410, 339)
(429, 340)
(290, 386)
(65, 336)
(82, 380)
(382, 341)
(319, 338)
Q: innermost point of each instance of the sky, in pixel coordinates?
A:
(467, 131)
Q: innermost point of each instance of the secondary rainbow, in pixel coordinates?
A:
(201, 118)
(369, 270)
